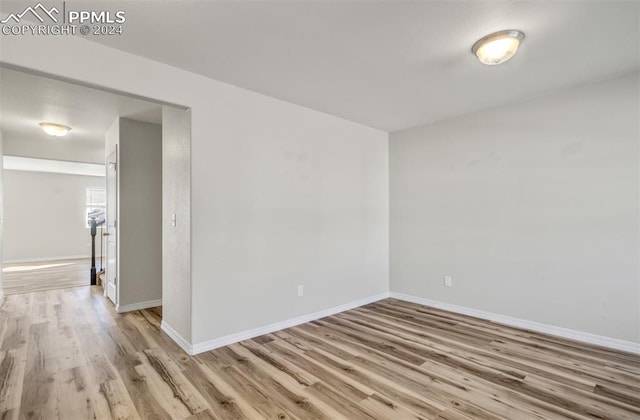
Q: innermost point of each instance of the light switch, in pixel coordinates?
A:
(173, 220)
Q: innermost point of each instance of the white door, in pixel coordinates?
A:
(111, 288)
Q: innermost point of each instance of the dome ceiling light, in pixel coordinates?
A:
(56, 130)
(498, 47)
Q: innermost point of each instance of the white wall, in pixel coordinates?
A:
(139, 214)
(284, 196)
(74, 151)
(531, 208)
(45, 215)
(176, 240)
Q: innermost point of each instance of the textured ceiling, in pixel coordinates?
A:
(389, 65)
(26, 100)
(385, 64)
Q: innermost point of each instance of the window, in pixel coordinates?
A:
(96, 204)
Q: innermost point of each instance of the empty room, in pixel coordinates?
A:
(320, 210)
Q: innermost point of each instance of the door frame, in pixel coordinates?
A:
(112, 228)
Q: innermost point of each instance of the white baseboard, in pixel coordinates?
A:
(175, 336)
(245, 335)
(585, 337)
(39, 259)
(139, 305)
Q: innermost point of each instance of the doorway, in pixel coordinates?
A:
(89, 112)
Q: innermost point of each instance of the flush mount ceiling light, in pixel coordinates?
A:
(498, 47)
(56, 130)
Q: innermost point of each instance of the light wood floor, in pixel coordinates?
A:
(45, 275)
(65, 354)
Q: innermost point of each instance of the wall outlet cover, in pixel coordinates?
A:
(448, 281)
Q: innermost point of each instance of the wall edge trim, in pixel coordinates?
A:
(175, 336)
(40, 259)
(138, 305)
(585, 337)
(276, 326)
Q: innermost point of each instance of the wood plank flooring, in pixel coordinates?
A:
(45, 275)
(65, 354)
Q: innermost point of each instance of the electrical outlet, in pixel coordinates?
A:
(448, 281)
(300, 290)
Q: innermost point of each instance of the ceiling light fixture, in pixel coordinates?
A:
(498, 47)
(56, 130)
